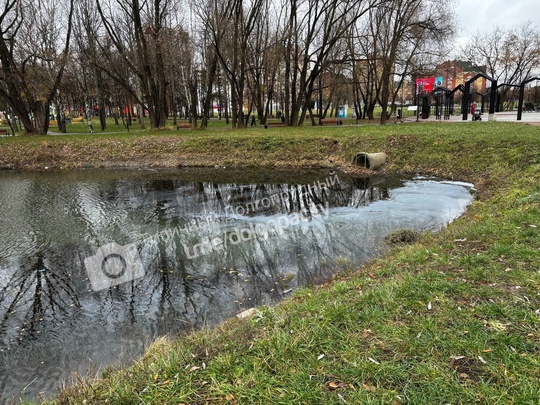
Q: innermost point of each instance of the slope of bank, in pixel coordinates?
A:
(452, 318)
(437, 148)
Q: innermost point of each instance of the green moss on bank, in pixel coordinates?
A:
(453, 318)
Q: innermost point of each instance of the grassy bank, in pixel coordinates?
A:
(446, 149)
(453, 318)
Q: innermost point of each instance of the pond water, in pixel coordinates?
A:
(94, 265)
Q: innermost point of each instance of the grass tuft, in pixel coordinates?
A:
(403, 236)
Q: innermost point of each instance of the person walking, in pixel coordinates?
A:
(90, 125)
(399, 117)
(473, 109)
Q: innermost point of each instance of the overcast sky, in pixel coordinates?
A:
(483, 15)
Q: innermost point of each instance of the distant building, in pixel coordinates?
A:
(456, 72)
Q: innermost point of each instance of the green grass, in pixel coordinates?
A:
(451, 318)
(427, 148)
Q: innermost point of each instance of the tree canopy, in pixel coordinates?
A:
(158, 59)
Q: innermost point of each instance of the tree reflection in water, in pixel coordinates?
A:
(35, 293)
(53, 324)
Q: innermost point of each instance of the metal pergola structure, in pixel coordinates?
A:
(498, 104)
(444, 101)
(466, 95)
(444, 97)
(522, 95)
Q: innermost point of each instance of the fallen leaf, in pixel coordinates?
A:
(335, 385)
(194, 368)
(366, 333)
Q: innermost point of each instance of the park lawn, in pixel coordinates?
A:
(452, 318)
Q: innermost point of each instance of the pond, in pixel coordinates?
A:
(94, 265)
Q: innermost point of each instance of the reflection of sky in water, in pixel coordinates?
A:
(52, 323)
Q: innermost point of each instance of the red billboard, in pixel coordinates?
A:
(425, 84)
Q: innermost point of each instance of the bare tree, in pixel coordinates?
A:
(231, 24)
(393, 37)
(314, 29)
(137, 31)
(509, 55)
(34, 49)
(247, 55)
(182, 66)
(204, 76)
(265, 49)
(88, 29)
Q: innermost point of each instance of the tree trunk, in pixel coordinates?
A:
(207, 105)
(194, 102)
(60, 118)
(41, 118)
